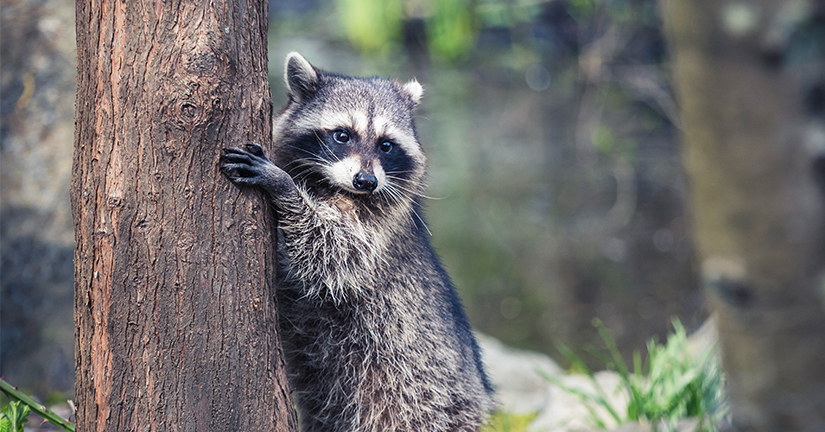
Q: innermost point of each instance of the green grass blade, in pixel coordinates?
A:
(611, 347)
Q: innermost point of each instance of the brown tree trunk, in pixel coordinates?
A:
(753, 149)
(174, 312)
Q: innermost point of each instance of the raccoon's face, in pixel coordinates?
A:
(361, 159)
(349, 135)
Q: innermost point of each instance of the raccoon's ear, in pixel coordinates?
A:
(301, 77)
(414, 90)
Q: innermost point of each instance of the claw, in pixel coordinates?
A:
(236, 157)
(238, 173)
(233, 150)
(255, 149)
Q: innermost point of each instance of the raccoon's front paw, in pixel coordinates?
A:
(251, 167)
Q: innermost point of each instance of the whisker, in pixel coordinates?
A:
(394, 192)
(414, 182)
(305, 166)
(424, 224)
(300, 174)
(313, 161)
(301, 149)
(389, 195)
(320, 140)
(414, 192)
(295, 163)
(305, 171)
(408, 181)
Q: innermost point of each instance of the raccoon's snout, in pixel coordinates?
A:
(364, 182)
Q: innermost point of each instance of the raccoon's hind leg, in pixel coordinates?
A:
(250, 167)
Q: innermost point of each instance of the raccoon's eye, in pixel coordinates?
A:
(341, 136)
(386, 146)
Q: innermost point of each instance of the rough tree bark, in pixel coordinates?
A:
(174, 311)
(751, 89)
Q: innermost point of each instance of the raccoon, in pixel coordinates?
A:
(374, 334)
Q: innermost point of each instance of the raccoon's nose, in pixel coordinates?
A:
(364, 181)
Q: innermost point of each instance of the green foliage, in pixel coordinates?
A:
(370, 24)
(669, 387)
(450, 29)
(583, 9)
(452, 26)
(505, 422)
(374, 26)
(603, 139)
(619, 11)
(30, 404)
(13, 416)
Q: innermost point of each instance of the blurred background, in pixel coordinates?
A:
(556, 192)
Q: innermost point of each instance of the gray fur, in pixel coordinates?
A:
(374, 335)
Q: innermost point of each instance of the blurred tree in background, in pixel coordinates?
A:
(37, 87)
(751, 81)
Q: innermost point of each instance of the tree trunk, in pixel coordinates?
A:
(174, 311)
(748, 83)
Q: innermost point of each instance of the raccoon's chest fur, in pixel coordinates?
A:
(376, 344)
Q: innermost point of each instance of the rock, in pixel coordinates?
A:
(520, 389)
(513, 372)
(703, 340)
